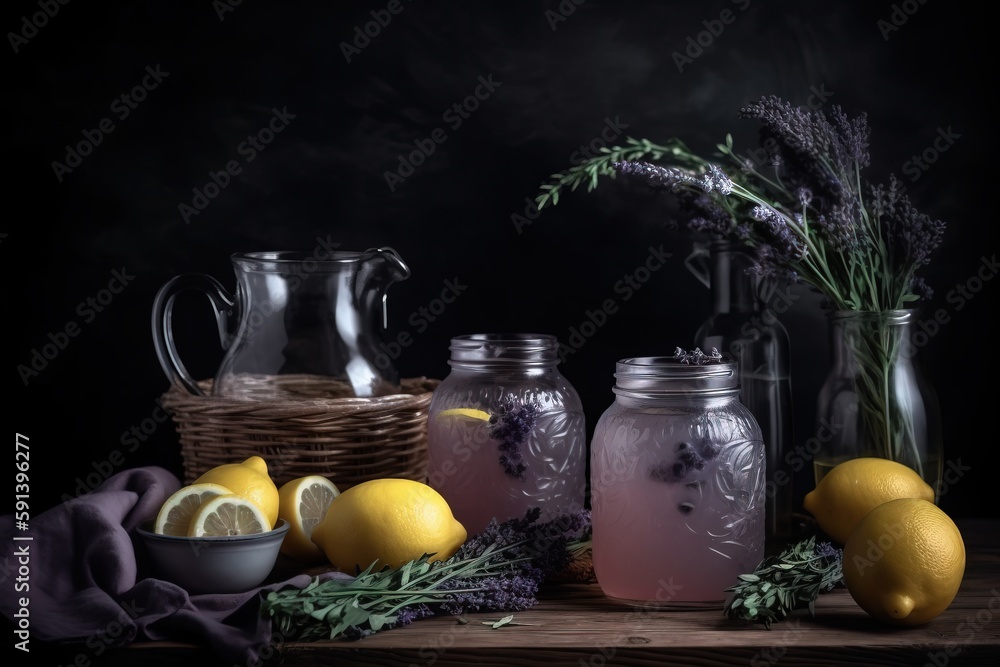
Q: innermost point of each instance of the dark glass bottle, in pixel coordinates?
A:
(744, 324)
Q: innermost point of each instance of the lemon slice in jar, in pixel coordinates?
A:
(469, 413)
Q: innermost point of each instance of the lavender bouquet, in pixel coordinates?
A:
(499, 569)
(808, 216)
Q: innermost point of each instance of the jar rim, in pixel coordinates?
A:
(660, 376)
(531, 349)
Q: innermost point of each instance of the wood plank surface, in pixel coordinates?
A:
(574, 624)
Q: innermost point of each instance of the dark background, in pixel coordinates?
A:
(323, 176)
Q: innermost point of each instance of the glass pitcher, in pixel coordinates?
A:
(295, 314)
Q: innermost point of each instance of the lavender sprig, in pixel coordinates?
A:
(808, 214)
(499, 569)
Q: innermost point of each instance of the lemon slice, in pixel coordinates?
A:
(227, 515)
(303, 503)
(470, 413)
(175, 515)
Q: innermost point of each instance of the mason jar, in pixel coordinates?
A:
(506, 431)
(677, 483)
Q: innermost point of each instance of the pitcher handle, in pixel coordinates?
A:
(393, 270)
(698, 264)
(223, 305)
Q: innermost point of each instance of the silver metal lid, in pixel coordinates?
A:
(668, 376)
(514, 349)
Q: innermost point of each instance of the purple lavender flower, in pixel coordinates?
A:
(507, 593)
(831, 555)
(690, 457)
(912, 235)
(533, 550)
(696, 356)
(511, 425)
(407, 615)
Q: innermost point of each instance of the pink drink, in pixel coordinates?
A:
(506, 431)
(464, 467)
(677, 491)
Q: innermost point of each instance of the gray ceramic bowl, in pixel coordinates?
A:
(214, 564)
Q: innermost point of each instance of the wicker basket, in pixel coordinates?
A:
(306, 425)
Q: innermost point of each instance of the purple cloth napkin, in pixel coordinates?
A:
(90, 586)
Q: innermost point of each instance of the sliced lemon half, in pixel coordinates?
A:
(469, 413)
(227, 515)
(303, 504)
(174, 517)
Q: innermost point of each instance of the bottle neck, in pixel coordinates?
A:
(734, 287)
(861, 337)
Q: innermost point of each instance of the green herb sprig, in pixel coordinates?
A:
(787, 582)
(590, 171)
(517, 552)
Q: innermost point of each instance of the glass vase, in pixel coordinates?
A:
(876, 400)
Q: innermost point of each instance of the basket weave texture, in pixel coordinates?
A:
(305, 425)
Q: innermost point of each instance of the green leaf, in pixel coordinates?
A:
(503, 621)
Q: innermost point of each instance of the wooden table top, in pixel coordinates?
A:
(574, 624)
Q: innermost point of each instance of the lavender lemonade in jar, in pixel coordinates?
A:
(506, 431)
(677, 483)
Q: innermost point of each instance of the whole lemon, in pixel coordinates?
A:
(855, 487)
(391, 521)
(249, 479)
(904, 563)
